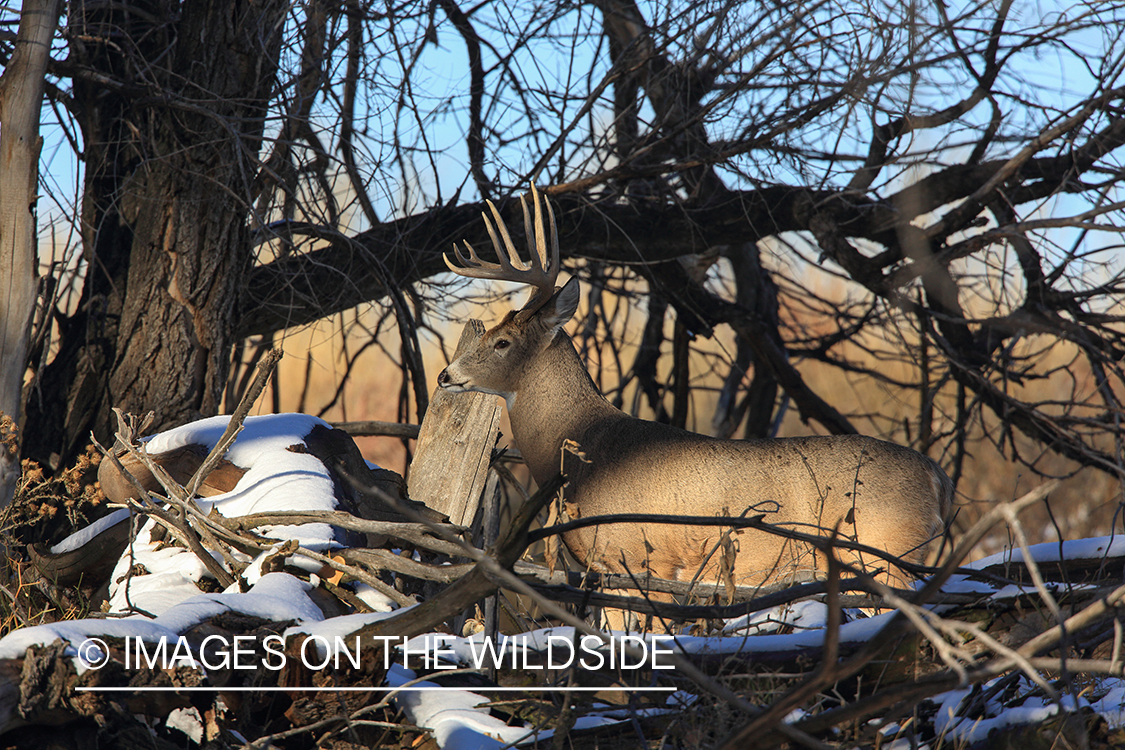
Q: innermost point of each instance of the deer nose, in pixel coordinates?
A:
(443, 378)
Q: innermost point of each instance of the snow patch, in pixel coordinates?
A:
(453, 715)
(188, 721)
(80, 537)
(276, 479)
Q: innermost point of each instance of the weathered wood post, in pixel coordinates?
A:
(450, 466)
(450, 469)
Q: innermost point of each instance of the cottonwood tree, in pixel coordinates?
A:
(955, 168)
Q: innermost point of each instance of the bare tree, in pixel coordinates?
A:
(21, 89)
(954, 171)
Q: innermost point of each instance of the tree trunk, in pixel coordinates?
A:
(21, 95)
(171, 156)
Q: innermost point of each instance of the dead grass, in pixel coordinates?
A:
(45, 510)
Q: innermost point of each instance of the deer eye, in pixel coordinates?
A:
(501, 344)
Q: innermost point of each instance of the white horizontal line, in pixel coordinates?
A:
(413, 689)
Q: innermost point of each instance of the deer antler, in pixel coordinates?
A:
(540, 273)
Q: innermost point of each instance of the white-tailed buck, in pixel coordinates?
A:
(881, 494)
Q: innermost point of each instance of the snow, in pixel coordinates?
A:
(276, 479)
(188, 721)
(334, 631)
(275, 597)
(80, 537)
(904, 743)
(858, 631)
(164, 578)
(1048, 552)
(372, 597)
(972, 732)
(459, 722)
(74, 632)
(804, 614)
(681, 699)
(997, 715)
(453, 715)
(261, 437)
(1112, 706)
(172, 575)
(948, 705)
(1075, 549)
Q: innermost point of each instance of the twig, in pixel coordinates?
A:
(932, 685)
(417, 534)
(1101, 609)
(234, 426)
(179, 527)
(187, 536)
(267, 741)
(182, 496)
(358, 574)
(821, 543)
(179, 498)
(375, 427)
(977, 532)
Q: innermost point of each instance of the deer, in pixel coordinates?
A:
(873, 492)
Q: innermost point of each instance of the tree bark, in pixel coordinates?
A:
(172, 152)
(21, 95)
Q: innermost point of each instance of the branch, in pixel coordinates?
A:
(475, 136)
(234, 425)
(302, 288)
(375, 427)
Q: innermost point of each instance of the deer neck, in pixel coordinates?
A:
(556, 401)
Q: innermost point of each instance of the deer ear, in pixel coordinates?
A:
(562, 306)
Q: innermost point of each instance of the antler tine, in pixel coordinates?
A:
(471, 266)
(513, 261)
(540, 273)
(549, 266)
(474, 267)
(544, 270)
(554, 260)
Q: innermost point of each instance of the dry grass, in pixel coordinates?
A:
(45, 510)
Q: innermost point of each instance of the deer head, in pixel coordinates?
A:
(499, 359)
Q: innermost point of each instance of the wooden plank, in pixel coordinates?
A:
(455, 445)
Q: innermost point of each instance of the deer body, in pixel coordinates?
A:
(881, 494)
